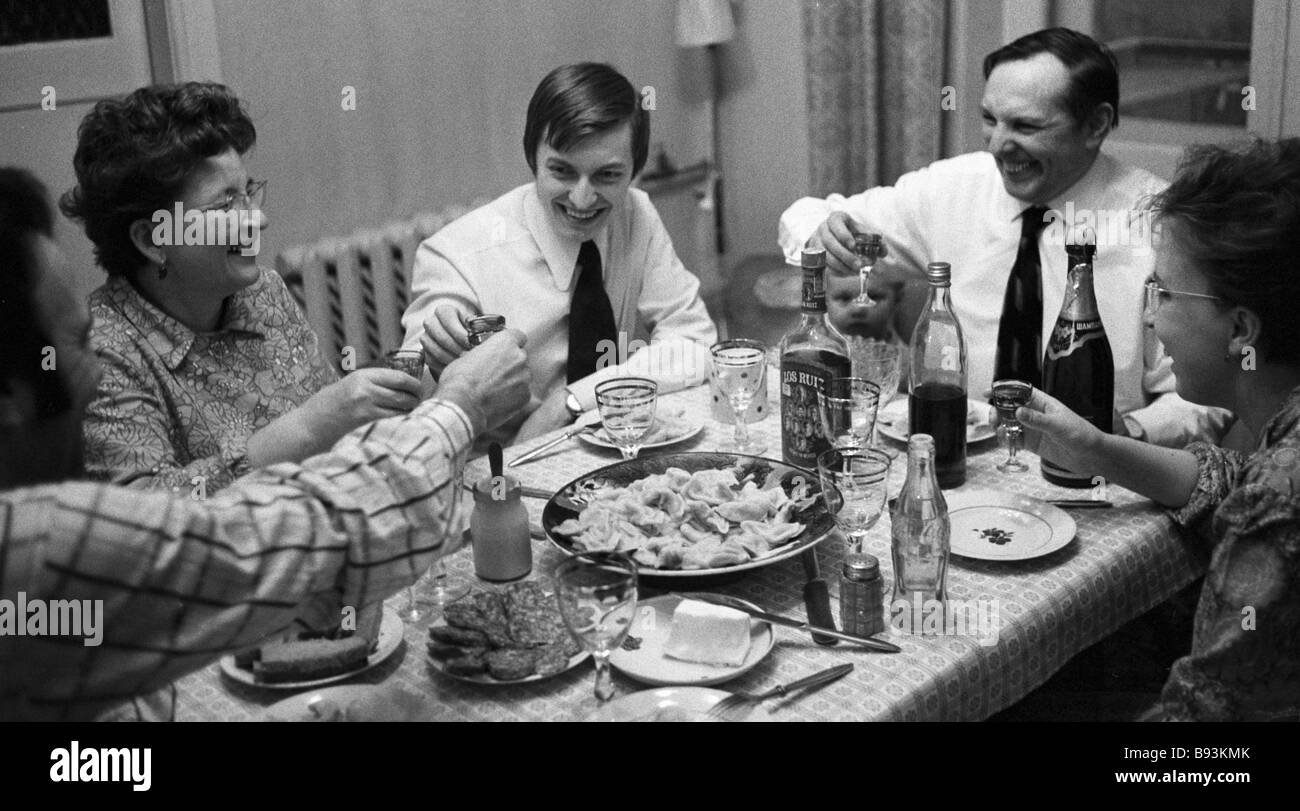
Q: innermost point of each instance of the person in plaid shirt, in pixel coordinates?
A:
(184, 581)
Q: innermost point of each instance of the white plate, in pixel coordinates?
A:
(649, 664)
(668, 704)
(684, 431)
(1035, 527)
(378, 703)
(390, 638)
(892, 421)
(484, 678)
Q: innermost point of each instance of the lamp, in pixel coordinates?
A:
(708, 24)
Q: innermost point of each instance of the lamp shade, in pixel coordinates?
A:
(704, 22)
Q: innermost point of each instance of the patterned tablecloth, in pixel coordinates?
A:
(1122, 562)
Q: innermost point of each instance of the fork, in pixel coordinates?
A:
(738, 705)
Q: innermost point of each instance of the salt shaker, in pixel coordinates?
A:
(862, 595)
(499, 526)
(482, 327)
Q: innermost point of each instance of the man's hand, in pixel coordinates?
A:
(551, 414)
(490, 382)
(445, 338)
(836, 236)
(1053, 430)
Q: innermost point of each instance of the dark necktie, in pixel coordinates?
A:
(1020, 336)
(591, 318)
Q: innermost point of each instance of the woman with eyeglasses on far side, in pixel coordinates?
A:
(210, 368)
(1223, 300)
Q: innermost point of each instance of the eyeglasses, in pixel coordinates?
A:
(251, 197)
(1154, 291)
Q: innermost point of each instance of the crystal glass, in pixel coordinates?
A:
(597, 595)
(867, 247)
(1008, 395)
(855, 488)
(848, 411)
(881, 362)
(627, 410)
(445, 588)
(738, 368)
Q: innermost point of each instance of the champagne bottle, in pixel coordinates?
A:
(921, 534)
(811, 354)
(936, 404)
(1078, 368)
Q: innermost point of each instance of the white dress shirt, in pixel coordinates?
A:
(958, 211)
(504, 258)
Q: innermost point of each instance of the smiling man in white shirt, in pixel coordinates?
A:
(1050, 100)
(577, 260)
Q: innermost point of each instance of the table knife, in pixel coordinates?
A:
(546, 446)
(817, 598)
(777, 619)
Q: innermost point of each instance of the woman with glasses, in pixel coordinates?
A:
(209, 366)
(1223, 300)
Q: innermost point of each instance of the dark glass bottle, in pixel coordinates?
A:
(810, 355)
(1078, 368)
(936, 404)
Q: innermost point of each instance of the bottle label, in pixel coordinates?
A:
(801, 427)
(814, 291)
(1067, 336)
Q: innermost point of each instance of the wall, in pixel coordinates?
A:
(442, 89)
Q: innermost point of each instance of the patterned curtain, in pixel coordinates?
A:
(876, 71)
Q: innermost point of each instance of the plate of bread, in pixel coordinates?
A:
(675, 641)
(297, 660)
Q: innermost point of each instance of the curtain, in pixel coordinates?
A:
(876, 70)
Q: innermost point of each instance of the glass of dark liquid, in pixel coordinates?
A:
(1008, 395)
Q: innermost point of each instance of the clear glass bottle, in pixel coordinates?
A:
(1078, 367)
(921, 532)
(503, 549)
(811, 354)
(936, 404)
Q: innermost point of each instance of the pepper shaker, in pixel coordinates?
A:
(862, 595)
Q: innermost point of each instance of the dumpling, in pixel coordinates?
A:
(775, 534)
(711, 486)
(713, 555)
(754, 508)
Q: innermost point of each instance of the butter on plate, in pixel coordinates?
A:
(708, 634)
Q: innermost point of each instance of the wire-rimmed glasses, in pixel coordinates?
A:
(1153, 291)
(251, 198)
(739, 369)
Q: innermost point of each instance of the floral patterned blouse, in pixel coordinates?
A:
(1245, 658)
(175, 408)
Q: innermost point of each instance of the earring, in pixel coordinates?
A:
(162, 270)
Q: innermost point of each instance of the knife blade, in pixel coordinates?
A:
(777, 619)
(817, 598)
(546, 446)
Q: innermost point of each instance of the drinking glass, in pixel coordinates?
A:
(627, 410)
(597, 596)
(1008, 395)
(881, 362)
(867, 247)
(848, 411)
(738, 367)
(855, 488)
(445, 588)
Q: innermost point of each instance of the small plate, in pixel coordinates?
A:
(892, 421)
(668, 704)
(390, 638)
(682, 431)
(1032, 528)
(649, 664)
(484, 678)
(378, 703)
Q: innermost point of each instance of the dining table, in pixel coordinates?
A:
(1122, 561)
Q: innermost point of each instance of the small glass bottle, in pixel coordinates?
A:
(862, 596)
(921, 532)
(499, 526)
(483, 326)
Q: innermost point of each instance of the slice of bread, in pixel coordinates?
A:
(308, 659)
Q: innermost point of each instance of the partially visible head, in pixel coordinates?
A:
(586, 138)
(47, 372)
(145, 152)
(1050, 100)
(1230, 228)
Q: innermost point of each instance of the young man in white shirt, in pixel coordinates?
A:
(525, 255)
(1050, 100)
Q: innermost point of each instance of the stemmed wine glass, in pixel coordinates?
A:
(1008, 395)
(739, 365)
(597, 595)
(445, 589)
(867, 247)
(855, 488)
(627, 410)
(848, 411)
(881, 362)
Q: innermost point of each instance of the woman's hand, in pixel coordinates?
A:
(1053, 430)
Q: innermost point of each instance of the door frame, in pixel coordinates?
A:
(182, 39)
